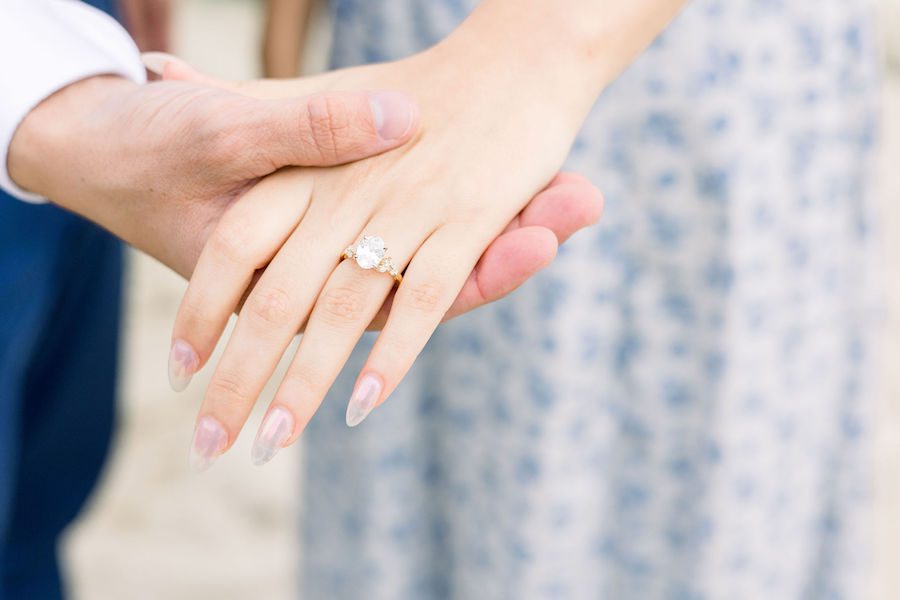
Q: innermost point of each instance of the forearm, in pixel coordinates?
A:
(564, 52)
(64, 151)
(55, 151)
(68, 150)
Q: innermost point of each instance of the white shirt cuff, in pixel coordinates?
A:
(46, 45)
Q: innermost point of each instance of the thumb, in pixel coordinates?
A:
(328, 128)
(320, 129)
(171, 68)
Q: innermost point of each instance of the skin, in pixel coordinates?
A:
(159, 165)
(439, 201)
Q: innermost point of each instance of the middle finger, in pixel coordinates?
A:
(268, 321)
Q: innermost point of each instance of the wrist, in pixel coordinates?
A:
(564, 51)
(526, 65)
(56, 144)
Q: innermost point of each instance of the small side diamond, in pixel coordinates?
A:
(386, 265)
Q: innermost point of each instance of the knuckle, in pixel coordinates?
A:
(326, 125)
(329, 127)
(425, 297)
(224, 142)
(343, 306)
(302, 379)
(231, 241)
(194, 318)
(271, 305)
(229, 388)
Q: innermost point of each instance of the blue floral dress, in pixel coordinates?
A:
(680, 406)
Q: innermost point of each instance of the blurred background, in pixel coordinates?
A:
(155, 530)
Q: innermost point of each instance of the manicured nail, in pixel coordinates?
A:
(393, 113)
(274, 432)
(209, 442)
(156, 62)
(363, 400)
(183, 363)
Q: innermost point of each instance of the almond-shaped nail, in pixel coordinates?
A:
(365, 395)
(183, 363)
(156, 62)
(394, 114)
(275, 430)
(209, 442)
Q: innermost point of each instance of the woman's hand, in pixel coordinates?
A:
(438, 204)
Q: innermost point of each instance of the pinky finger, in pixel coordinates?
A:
(511, 260)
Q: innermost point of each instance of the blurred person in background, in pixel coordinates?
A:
(149, 22)
(287, 22)
(680, 407)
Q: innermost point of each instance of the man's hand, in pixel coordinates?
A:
(159, 164)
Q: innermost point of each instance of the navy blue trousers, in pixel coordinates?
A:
(60, 280)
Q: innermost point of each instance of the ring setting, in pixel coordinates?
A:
(370, 253)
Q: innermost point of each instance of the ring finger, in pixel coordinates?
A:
(347, 304)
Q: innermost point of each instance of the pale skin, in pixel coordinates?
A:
(159, 165)
(438, 201)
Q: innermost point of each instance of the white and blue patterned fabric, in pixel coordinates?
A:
(680, 406)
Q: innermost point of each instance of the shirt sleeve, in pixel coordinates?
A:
(44, 46)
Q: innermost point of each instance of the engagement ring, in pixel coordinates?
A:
(369, 253)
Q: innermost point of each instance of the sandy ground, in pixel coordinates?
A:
(154, 530)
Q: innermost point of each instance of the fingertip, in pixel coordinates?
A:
(209, 442)
(394, 115)
(183, 363)
(507, 263)
(171, 68)
(156, 62)
(276, 430)
(564, 209)
(513, 258)
(365, 397)
(178, 70)
(545, 246)
(566, 177)
(594, 203)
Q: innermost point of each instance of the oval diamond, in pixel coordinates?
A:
(369, 251)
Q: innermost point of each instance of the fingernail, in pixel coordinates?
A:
(209, 442)
(393, 113)
(363, 400)
(156, 62)
(274, 432)
(183, 363)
